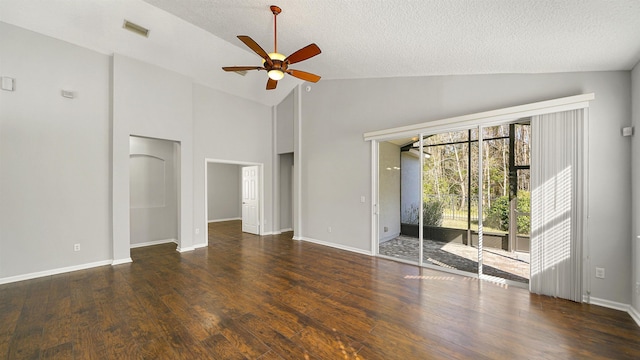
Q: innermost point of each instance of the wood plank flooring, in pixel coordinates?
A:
(251, 297)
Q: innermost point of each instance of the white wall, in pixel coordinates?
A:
(151, 102)
(635, 177)
(389, 194)
(223, 192)
(284, 121)
(286, 192)
(64, 164)
(229, 128)
(154, 216)
(336, 161)
(284, 125)
(54, 155)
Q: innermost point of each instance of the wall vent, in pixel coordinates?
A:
(136, 28)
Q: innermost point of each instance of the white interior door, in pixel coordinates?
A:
(250, 200)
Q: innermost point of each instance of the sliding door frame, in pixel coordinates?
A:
(478, 121)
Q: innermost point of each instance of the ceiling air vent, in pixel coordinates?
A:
(135, 28)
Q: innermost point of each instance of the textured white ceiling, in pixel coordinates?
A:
(358, 38)
(368, 38)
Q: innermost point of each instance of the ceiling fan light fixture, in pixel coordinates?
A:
(276, 56)
(276, 74)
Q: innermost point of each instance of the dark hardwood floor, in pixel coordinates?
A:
(270, 297)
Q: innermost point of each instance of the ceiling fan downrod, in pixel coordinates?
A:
(275, 10)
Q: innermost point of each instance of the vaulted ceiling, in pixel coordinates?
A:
(359, 38)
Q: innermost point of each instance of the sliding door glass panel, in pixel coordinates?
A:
(447, 210)
(522, 211)
(398, 200)
(501, 203)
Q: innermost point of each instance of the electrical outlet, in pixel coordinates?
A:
(197, 231)
(638, 288)
(329, 229)
(386, 229)
(76, 247)
(600, 273)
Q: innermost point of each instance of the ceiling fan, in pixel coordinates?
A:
(275, 63)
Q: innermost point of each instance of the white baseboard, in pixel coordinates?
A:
(155, 242)
(185, 249)
(333, 245)
(297, 238)
(279, 232)
(635, 315)
(609, 304)
(122, 261)
(53, 271)
(221, 220)
(201, 245)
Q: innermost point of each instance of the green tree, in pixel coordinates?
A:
(498, 213)
(432, 213)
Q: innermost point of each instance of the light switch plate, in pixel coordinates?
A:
(68, 94)
(627, 131)
(8, 83)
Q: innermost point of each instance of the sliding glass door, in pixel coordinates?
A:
(505, 201)
(457, 200)
(526, 187)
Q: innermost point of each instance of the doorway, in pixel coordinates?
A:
(224, 188)
(285, 184)
(153, 184)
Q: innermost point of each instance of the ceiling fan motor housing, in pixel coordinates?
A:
(279, 65)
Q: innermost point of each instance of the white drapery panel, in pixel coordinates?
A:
(557, 203)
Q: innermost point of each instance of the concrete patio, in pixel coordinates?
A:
(496, 262)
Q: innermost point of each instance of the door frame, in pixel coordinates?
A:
(260, 188)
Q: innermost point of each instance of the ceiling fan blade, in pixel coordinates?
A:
(271, 84)
(305, 53)
(241, 68)
(303, 75)
(256, 48)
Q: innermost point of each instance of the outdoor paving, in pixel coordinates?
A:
(496, 262)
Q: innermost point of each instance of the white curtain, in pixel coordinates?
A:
(557, 203)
